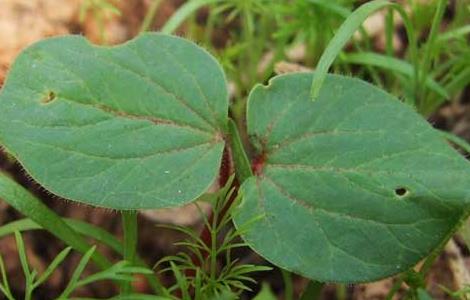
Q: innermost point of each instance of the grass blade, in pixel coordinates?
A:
(332, 6)
(345, 32)
(459, 81)
(430, 43)
(122, 271)
(392, 64)
(30, 206)
(80, 227)
(458, 141)
(19, 225)
(150, 15)
(181, 281)
(22, 254)
(312, 291)
(84, 229)
(77, 273)
(184, 12)
(5, 286)
(453, 34)
(54, 264)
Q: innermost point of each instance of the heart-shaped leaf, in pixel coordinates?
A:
(353, 187)
(134, 126)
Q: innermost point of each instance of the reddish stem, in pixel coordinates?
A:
(224, 175)
(258, 163)
(225, 171)
(205, 235)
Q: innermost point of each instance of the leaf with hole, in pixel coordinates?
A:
(139, 125)
(353, 187)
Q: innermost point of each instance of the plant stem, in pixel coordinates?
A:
(7, 294)
(312, 291)
(341, 292)
(428, 51)
(150, 16)
(30, 206)
(248, 38)
(395, 288)
(182, 13)
(243, 172)
(207, 235)
(129, 225)
(242, 164)
(345, 32)
(29, 291)
(213, 254)
(389, 28)
(288, 288)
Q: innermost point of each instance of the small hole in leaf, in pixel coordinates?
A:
(49, 97)
(401, 191)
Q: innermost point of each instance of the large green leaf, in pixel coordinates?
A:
(134, 126)
(353, 187)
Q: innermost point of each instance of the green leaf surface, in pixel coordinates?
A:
(134, 126)
(354, 187)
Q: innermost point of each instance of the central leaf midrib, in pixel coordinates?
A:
(158, 85)
(122, 114)
(336, 214)
(275, 147)
(198, 85)
(149, 79)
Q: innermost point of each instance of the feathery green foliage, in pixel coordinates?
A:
(197, 268)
